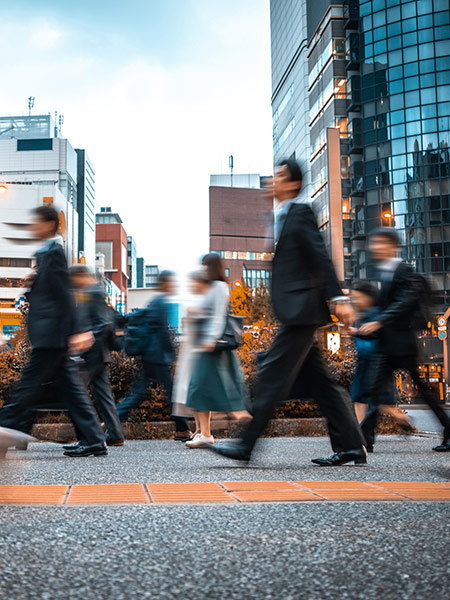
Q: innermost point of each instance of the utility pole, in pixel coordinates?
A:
(231, 164)
(31, 100)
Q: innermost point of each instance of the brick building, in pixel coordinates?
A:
(241, 229)
(112, 242)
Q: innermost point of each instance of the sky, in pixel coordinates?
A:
(158, 92)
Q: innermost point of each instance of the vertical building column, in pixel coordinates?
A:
(335, 196)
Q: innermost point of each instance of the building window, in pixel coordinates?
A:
(237, 255)
(106, 248)
(15, 262)
(254, 278)
(42, 144)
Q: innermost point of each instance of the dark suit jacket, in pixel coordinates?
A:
(160, 348)
(397, 302)
(51, 313)
(93, 315)
(303, 276)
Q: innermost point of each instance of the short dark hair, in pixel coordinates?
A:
(48, 214)
(199, 275)
(388, 233)
(214, 267)
(366, 288)
(294, 169)
(165, 276)
(79, 269)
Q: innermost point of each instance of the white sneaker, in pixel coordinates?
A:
(200, 441)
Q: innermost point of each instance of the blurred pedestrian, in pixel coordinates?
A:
(303, 280)
(400, 305)
(200, 285)
(364, 299)
(51, 328)
(93, 315)
(158, 356)
(217, 382)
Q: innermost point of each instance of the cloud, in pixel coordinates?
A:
(154, 128)
(45, 35)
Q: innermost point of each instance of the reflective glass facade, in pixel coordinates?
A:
(399, 108)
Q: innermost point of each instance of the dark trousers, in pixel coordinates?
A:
(97, 379)
(293, 355)
(45, 366)
(151, 372)
(383, 372)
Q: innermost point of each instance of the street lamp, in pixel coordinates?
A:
(388, 216)
(3, 189)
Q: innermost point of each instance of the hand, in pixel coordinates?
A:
(369, 328)
(209, 347)
(81, 342)
(352, 330)
(345, 314)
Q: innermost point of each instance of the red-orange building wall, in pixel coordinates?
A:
(115, 233)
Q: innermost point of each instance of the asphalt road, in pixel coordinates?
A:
(286, 551)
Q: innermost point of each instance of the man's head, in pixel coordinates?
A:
(364, 295)
(166, 282)
(80, 277)
(45, 222)
(384, 243)
(287, 180)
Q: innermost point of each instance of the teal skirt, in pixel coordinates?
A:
(217, 383)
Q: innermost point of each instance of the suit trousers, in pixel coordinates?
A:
(97, 379)
(151, 372)
(45, 366)
(294, 355)
(383, 372)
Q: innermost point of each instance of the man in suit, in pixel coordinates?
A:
(399, 303)
(51, 329)
(158, 358)
(303, 282)
(93, 315)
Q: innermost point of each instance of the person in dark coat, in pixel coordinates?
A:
(158, 357)
(303, 282)
(52, 330)
(364, 299)
(398, 303)
(94, 315)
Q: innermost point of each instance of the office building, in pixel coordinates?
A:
(140, 272)
(36, 166)
(151, 276)
(112, 243)
(241, 229)
(86, 208)
(132, 263)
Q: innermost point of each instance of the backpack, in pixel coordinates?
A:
(425, 301)
(114, 339)
(136, 333)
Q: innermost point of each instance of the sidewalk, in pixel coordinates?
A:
(148, 472)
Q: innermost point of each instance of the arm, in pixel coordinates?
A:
(217, 320)
(100, 318)
(315, 251)
(406, 297)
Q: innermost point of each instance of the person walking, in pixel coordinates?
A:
(93, 315)
(158, 357)
(52, 331)
(200, 285)
(364, 299)
(217, 383)
(399, 307)
(303, 282)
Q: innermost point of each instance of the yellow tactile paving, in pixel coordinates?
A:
(118, 493)
(276, 496)
(188, 492)
(247, 486)
(417, 490)
(33, 494)
(226, 491)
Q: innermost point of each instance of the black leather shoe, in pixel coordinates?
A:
(234, 449)
(93, 450)
(444, 447)
(119, 442)
(369, 449)
(358, 456)
(72, 446)
(22, 446)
